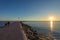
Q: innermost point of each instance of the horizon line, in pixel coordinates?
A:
(25, 20)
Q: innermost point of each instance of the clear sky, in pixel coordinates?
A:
(29, 9)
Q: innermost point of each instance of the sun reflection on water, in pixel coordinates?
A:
(51, 25)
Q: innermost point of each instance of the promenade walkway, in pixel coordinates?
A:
(12, 32)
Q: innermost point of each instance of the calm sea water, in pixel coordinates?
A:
(44, 28)
(2, 23)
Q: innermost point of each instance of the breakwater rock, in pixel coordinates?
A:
(33, 34)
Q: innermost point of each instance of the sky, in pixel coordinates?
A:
(29, 9)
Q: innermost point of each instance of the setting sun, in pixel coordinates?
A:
(51, 18)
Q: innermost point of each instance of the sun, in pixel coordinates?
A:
(51, 18)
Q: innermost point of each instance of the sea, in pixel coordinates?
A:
(42, 27)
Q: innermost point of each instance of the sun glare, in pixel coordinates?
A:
(51, 23)
(51, 18)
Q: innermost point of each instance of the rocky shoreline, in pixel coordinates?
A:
(33, 34)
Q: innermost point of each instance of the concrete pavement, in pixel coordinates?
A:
(12, 32)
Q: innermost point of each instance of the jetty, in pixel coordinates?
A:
(20, 31)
